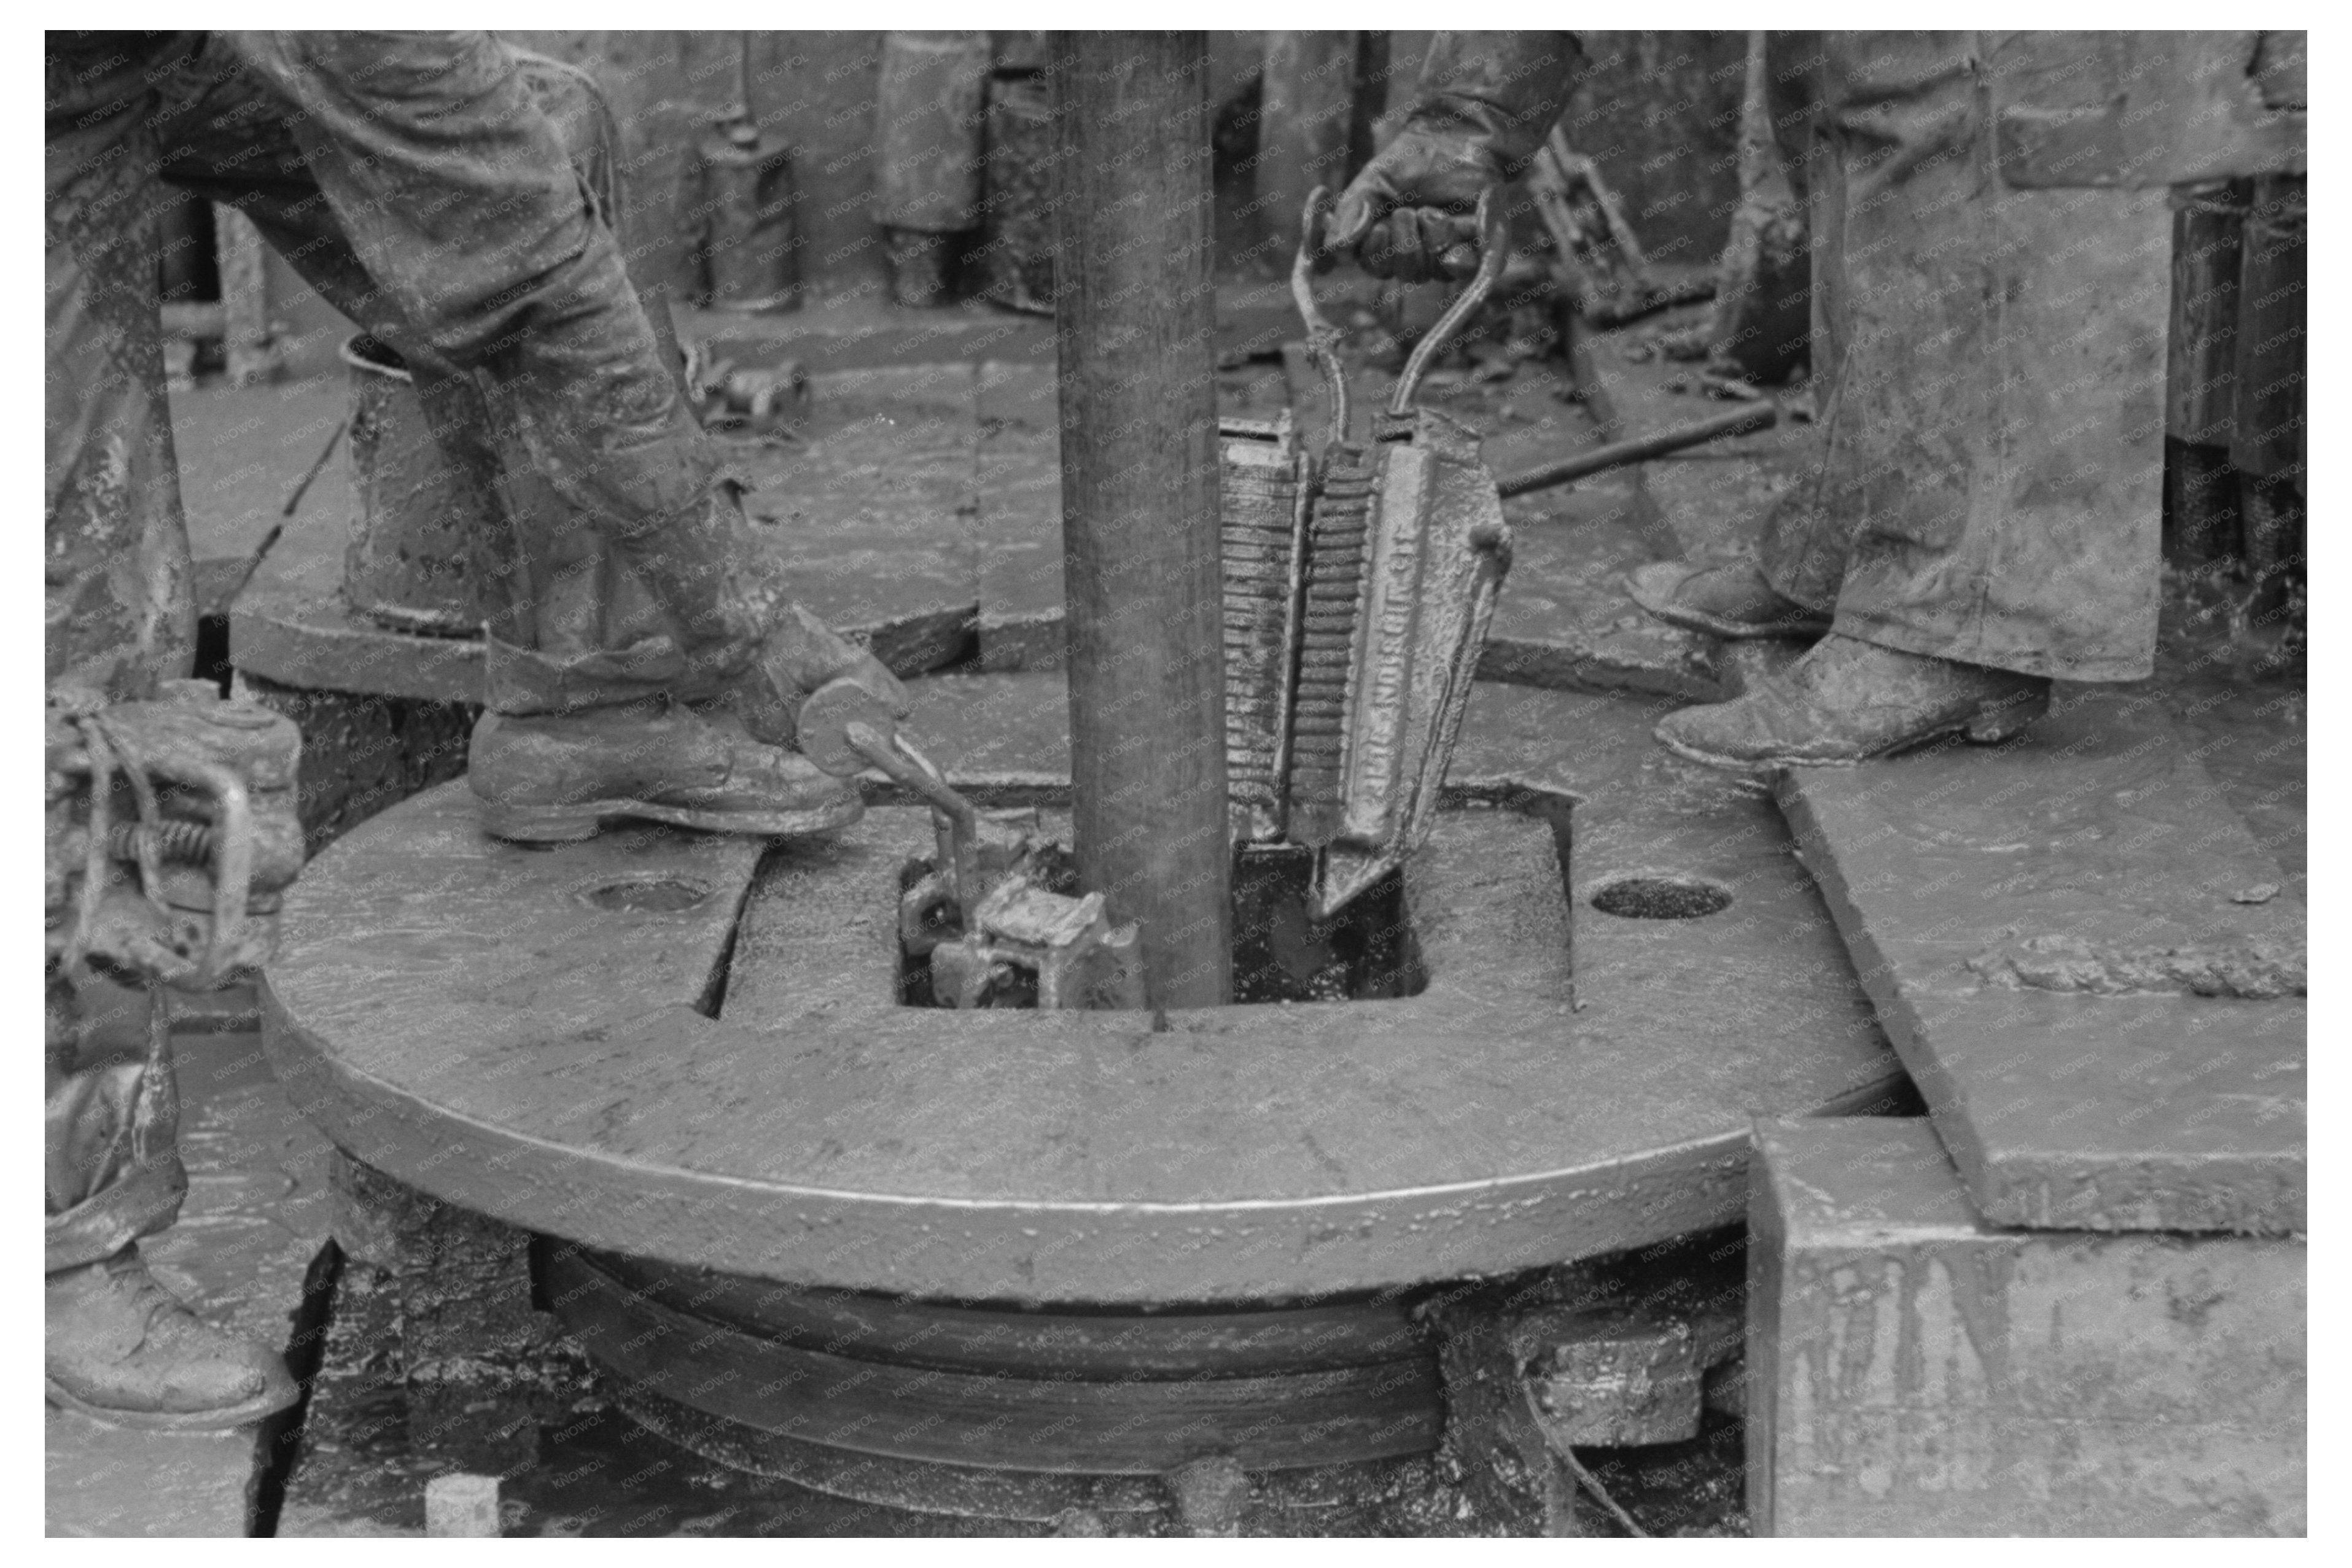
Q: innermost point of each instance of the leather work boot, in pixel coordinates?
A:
(1847, 701)
(1732, 600)
(556, 778)
(121, 1350)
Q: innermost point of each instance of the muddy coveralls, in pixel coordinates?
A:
(1992, 255)
(415, 182)
(1991, 281)
(929, 107)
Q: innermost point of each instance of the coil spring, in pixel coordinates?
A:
(176, 838)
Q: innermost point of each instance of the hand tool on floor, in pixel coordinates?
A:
(1359, 583)
(1741, 420)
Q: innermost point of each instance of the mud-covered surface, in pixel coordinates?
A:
(2258, 971)
(599, 1473)
(2237, 686)
(1364, 952)
(1691, 1489)
(244, 1255)
(596, 1472)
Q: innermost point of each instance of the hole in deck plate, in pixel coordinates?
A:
(1661, 898)
(647, 895)
(1365, 952)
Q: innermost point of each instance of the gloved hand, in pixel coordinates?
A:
(764, 654)
(808, 653)
(1410, 213)
(800, 654)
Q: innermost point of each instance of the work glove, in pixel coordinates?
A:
(807, 653)
(1482, 105)
(800, 654)
(738, 633)
(1410, 213)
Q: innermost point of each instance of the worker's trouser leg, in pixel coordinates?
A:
(111, 1167)
(417, 183)
(1989, 375)
(117, 605)
(119, 609)
(928, 104)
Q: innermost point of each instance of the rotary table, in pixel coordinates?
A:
(1009, 1262)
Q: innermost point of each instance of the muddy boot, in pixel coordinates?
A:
(122, 1350)
(1732, 600)
(1847, 701)
(556, 778)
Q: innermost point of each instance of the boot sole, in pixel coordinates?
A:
(254, 1409)
(1984, 728)
(574, 823)
(1795, 627)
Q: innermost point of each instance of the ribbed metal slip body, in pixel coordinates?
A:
(1358, 589)
(1265, 482)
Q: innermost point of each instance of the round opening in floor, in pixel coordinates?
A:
(1661, 898)
(648, 895)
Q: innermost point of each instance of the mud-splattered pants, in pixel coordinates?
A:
(1991, 278)
(420, 182)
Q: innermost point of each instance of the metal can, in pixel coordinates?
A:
(749, 252)
(422, 512)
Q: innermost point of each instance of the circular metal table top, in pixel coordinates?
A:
(617, 1042)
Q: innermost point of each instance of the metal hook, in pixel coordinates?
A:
(1322, 338)
(1494, 250)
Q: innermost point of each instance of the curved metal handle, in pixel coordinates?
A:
(1494, 250)
(1322, 338)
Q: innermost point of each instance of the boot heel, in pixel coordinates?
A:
(1996, 722)
(537, 824)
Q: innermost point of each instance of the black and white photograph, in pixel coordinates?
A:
(1645, 694)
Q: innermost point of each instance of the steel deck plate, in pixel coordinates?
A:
(2033, 920)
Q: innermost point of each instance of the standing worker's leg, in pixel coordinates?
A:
(927, 108)
(458, 197)
(119, 619)
(1804, 550)
(415, 181)
(119, 611)
(1994, 373)
(223, 135)
(117, 1347)
(1996, 420)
